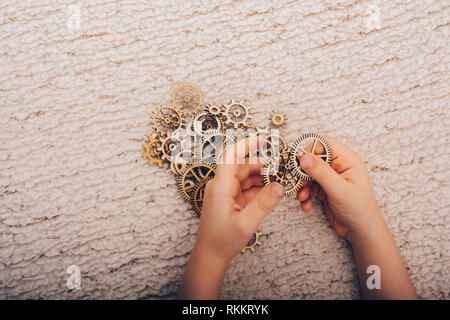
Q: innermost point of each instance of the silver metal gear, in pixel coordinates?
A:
(301, 146)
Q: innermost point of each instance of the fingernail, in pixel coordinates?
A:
(306, 161)
(277, 189)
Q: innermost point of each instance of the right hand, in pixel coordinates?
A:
(344, 189)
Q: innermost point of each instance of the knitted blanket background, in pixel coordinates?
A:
(79, 81)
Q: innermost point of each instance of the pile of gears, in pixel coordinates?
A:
(190, 135)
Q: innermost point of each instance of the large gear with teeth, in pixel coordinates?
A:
(188, 98)
(308, 143)
(167, 119)
(198, 194)
(237, 114)
(193, 175)
(212, 145)
(280, 170)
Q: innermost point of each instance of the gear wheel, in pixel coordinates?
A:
(188, 98)
(215, 110)
(181, 160)
(197, 196)
(172, 145)
(253, 242)
(278, 119)
(273, 142)
(204, 122)
(151, 151)
(192, 176)
(237, 114)
(280, 170)
(301, 146)
(212, 145)
(167, 119)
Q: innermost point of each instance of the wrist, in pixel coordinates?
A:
(367, 229)
(210, 258)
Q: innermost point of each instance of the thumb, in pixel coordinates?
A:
(331, 182)
(262, 204)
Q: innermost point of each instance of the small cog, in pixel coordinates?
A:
(151, 151)
(278, 119)
(253, 242)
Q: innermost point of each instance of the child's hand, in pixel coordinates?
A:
(350, 205)
(344, 188)
(235, 204)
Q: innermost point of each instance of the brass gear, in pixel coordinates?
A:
(167, 119)
(151, 151)
(188, 98)
(192, 176)
(278, 119)
(215, 110)
(198, 194)
(300, 147)
(253, 242)
(279, 169)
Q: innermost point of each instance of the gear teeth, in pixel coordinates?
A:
(147, 154)
(251, 246)
(198, 93)
(296, 148)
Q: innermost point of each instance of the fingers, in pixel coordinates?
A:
(303, 194)
(338, 148)
(261, 205)
(251, 181)
(228, 165)
(247, 170)
(332, 183)
(251, 193)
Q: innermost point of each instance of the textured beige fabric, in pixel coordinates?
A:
(75, 107)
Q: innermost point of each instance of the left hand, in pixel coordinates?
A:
(235, 203)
